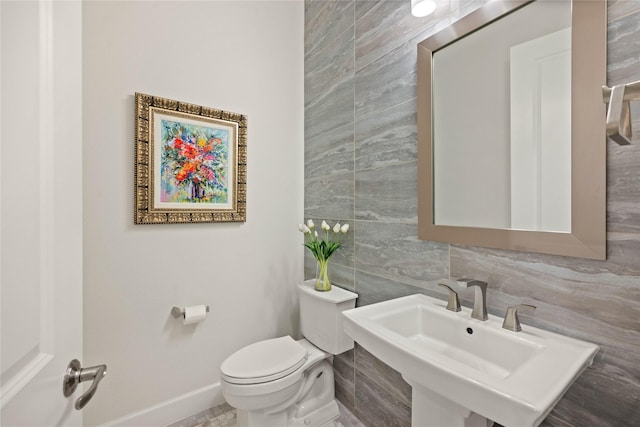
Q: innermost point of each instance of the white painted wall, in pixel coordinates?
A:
(241, 56)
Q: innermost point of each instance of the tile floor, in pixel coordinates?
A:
(218, 416)
(225, 416)
(347, 418)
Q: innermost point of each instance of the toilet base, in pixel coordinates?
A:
(326, 416)
(313, 406)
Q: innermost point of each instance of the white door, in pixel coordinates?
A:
(541, 133)
(40, 210)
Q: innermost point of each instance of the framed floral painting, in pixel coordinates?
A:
(191, 163)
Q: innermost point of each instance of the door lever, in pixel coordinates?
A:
(76, 374)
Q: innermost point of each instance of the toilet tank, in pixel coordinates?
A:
(321, 316)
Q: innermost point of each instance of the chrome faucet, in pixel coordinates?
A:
(480, 302)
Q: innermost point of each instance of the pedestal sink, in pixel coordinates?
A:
(467, 372)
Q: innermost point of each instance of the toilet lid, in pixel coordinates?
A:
(264, 361)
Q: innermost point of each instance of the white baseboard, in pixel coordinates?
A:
(173, 409)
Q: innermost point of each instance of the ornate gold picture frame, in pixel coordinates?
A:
(191, 163)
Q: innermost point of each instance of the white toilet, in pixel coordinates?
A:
(282, 382)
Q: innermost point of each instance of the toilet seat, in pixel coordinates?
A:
(264, 361)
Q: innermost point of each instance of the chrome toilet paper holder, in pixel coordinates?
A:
(179, 311)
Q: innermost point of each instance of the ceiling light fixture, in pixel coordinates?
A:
(420, 8)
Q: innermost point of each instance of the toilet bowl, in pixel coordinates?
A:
(283, 382)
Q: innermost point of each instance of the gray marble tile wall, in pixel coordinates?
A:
(360, 168)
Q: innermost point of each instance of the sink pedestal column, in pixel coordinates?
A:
(429, 409)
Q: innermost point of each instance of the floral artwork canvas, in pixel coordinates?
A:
(190, 163)
(194, 163)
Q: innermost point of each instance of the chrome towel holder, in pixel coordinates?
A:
(619, 98)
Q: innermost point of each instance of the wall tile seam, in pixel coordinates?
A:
(315, 133)
(381, 396)
(333, 149)
(330, 150)
(336, 130)
(388, 385)
(353, 375)
(613, 17)
(617, 236)
(313, 49)
(363, 112)
(315, 218)
(317, 178)
(351, 369)
(394, 222)
(334, 87)
(360, 216)
(409, 45)
(312, 55)
(419, 284)
(328, 143)
(449, 259)
(418, 36)
(355, 253)
(399, 164)
(388, 48)
(341, 75)
(335, 69)
(367, 116)
(319, 104)
(338, 137)
(357, 69)
(553, 261)
(337, 179)
(342, 265)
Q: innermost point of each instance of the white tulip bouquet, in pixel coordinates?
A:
(323, 248)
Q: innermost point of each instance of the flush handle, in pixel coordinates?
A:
(76, 374)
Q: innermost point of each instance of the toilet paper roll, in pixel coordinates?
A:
(194, 314)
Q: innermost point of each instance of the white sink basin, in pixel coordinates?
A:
(464, 370)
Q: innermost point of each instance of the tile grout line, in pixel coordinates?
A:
(355, 256)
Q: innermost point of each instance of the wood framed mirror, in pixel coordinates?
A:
(516, 223)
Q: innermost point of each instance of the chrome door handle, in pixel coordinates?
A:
(76, 374)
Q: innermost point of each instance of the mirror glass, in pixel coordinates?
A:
(507, 153)
(511, 136)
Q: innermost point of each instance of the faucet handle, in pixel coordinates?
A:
(453, 304)
(511, 321)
